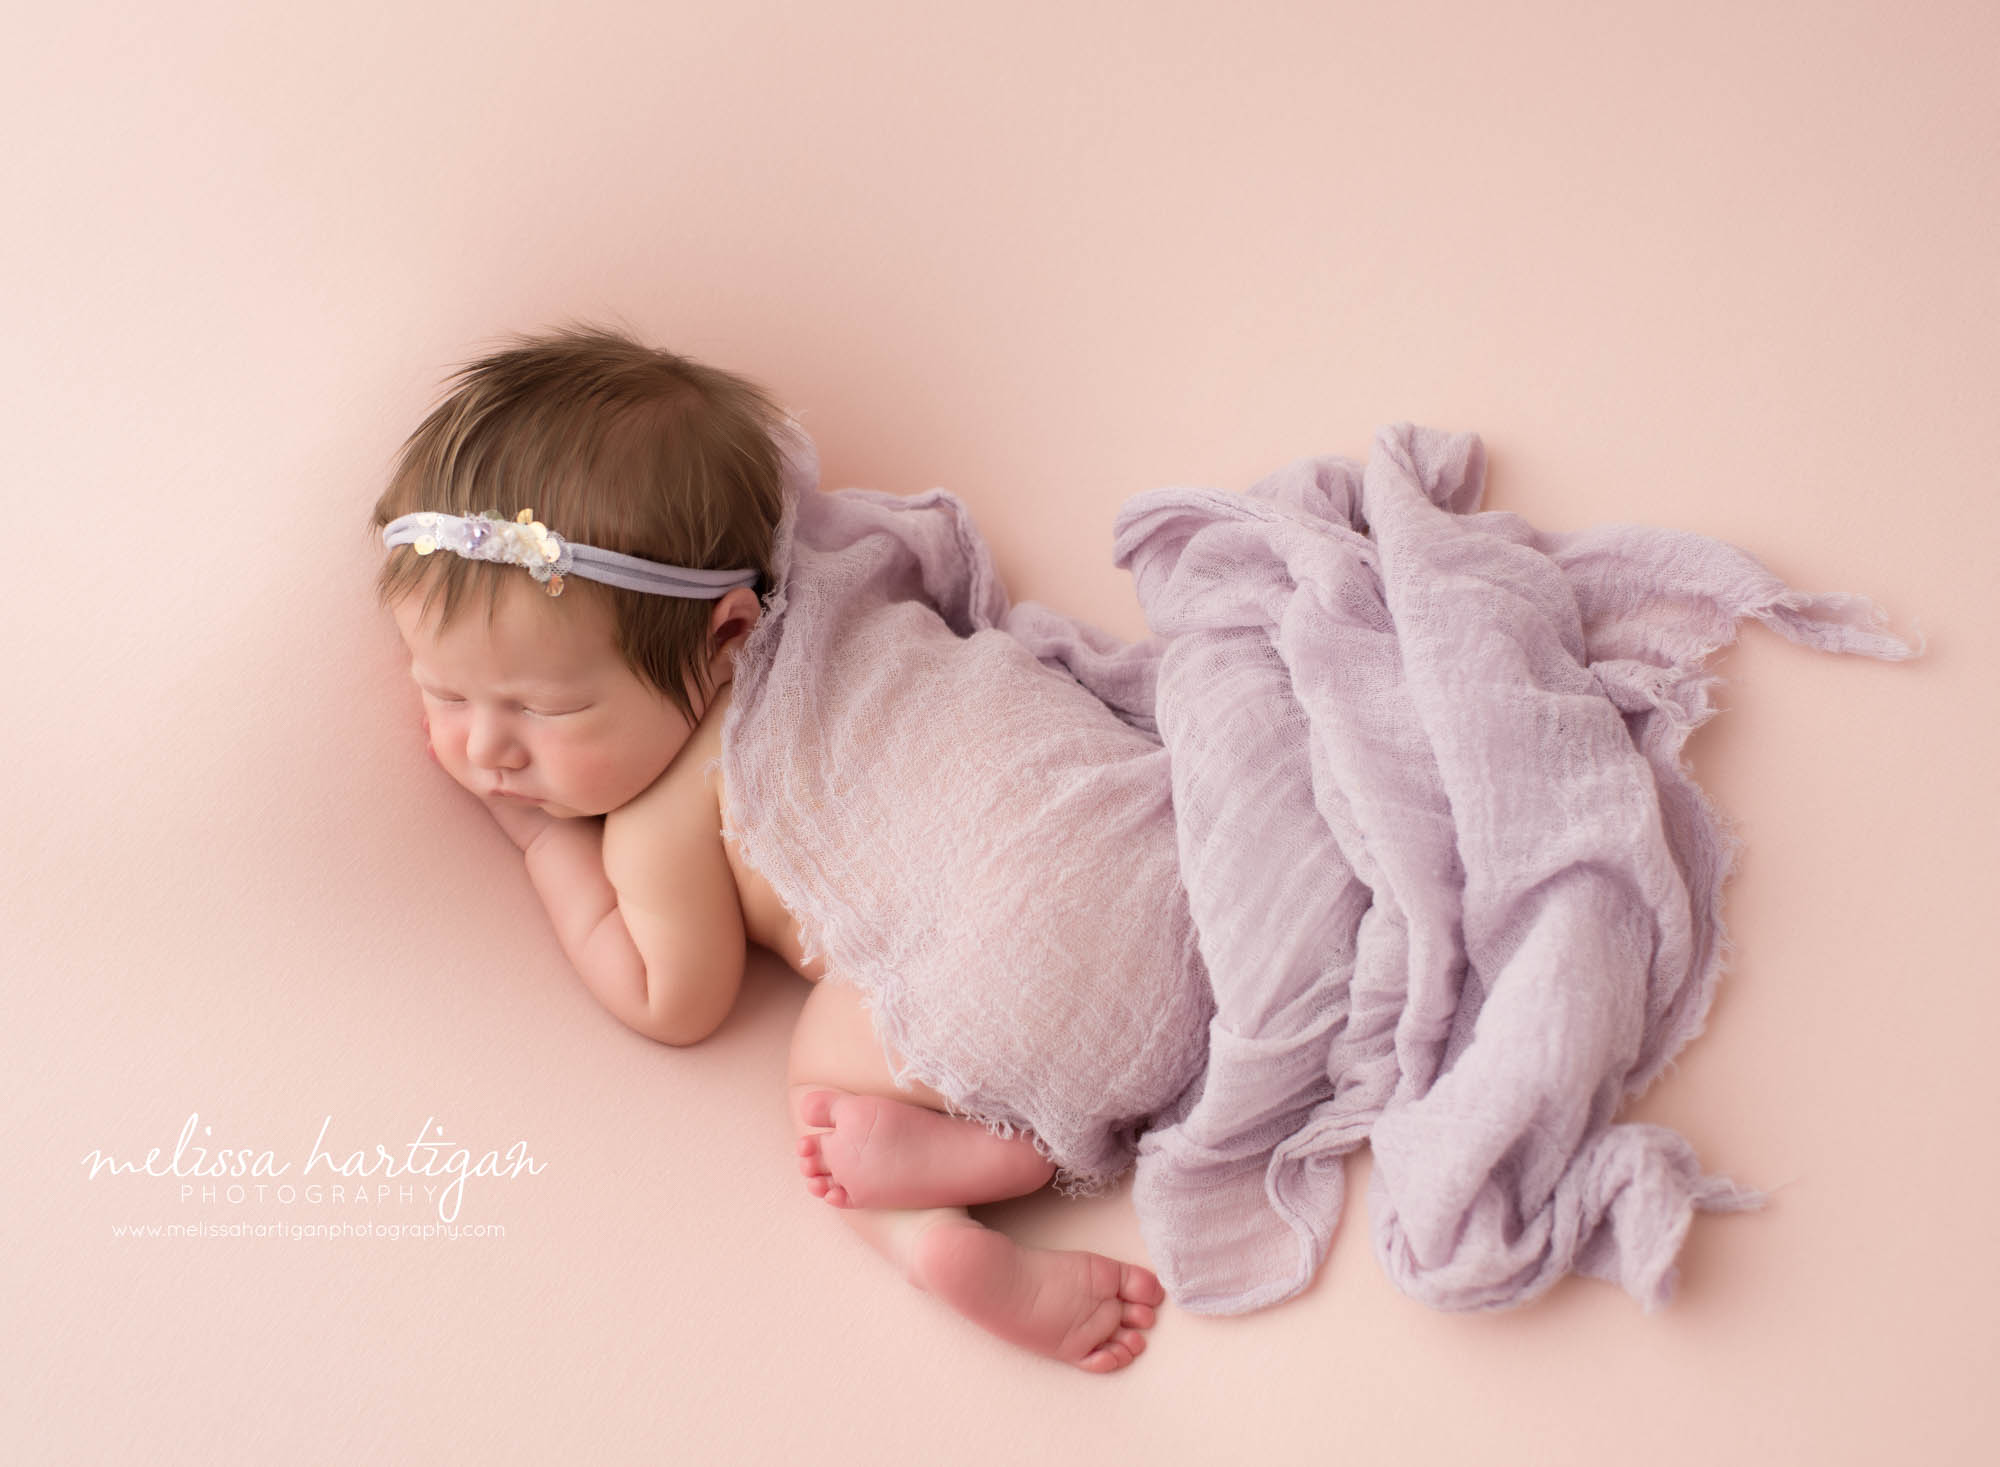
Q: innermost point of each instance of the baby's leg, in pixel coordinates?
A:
(1079, 1307)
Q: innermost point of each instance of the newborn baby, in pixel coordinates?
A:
(613, 507)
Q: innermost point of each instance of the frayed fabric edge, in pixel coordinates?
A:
(893, 1032)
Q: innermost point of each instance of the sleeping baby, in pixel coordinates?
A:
(1384, 837)
(585, 540)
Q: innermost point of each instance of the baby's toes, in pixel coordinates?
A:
(1115, 1353)
(1141, 1286)
(812, 1163)
(816, 1106)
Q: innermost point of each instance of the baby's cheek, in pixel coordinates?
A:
(451, 758)
(603, 778)
(589, 772)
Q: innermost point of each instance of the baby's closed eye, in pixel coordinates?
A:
(450, 700)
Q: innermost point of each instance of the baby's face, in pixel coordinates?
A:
(537, 704)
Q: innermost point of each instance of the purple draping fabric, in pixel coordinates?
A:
(1383, 835)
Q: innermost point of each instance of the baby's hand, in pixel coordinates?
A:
(522, 822)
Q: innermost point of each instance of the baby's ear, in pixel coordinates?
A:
(734, 616)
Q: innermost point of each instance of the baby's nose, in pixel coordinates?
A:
(490, 744)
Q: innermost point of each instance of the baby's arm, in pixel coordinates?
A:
(622, 951)
(566, 864)
(663, 855)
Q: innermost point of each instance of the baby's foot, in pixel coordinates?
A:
(878, 1152)
(1081, 1308)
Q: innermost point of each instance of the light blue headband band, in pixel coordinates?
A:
(526, 541)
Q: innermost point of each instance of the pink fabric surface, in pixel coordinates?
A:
(1401, 851)
(1709, 265)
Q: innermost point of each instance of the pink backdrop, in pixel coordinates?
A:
(1725, 268)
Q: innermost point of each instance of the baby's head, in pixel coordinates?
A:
(579, 700)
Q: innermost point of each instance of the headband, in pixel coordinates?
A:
(526, 541)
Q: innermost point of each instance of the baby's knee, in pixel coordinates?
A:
(833, 1032)
(834, 1043)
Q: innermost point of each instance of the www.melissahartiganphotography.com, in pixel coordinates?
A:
(311, 1232)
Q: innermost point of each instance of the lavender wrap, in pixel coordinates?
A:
(941, 811)
(1382, 836)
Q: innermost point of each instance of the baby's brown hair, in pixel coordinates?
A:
(611, 444)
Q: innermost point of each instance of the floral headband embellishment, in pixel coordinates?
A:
(525, 541)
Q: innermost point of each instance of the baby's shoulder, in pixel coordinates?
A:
(678, 821)
(691, 790)
(705, 743)
(686, 798)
